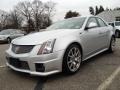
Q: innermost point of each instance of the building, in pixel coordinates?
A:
(110, 16)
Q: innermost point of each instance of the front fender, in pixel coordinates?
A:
(63, 42)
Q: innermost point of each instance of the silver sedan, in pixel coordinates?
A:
(9, 34)
(61, 47)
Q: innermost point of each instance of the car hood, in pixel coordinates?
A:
(40, 37)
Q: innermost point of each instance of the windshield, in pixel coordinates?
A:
(73, 23)
(5, 32)
(117, 23)
(10, 31)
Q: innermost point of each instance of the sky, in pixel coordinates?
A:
(62, 6)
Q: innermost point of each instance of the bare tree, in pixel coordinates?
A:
(37, 9)
(50, 8)
(24, 8)
(15, 19)
(37, 14)
(49, 12)
(42, 13)
(4, 20)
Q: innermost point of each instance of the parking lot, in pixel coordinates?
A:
(101, 72)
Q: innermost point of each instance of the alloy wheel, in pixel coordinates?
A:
(74, 59)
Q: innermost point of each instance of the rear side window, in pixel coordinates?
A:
(101, 22)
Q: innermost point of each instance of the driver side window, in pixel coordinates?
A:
(92, 23)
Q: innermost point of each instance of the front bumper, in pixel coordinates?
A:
(52, 63)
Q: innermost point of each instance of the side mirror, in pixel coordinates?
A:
(112, 25)
(91, 25)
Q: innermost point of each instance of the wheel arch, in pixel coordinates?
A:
(72, 43)
(76, 43)
(8, 37)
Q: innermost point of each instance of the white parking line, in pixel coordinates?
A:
(3, 66)
(109, 80)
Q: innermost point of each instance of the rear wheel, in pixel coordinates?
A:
(112, 45)
(72, 59)
(117, 34)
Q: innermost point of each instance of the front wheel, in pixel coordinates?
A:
(112, 45)
(72, 59)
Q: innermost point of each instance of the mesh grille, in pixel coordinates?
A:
(18, 64)
(20, 49)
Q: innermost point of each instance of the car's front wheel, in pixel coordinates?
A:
(9, 40)
(72, 59)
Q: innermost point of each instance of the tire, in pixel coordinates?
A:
(72, 60)
(117, 34)
(112, 45)
(9, 40)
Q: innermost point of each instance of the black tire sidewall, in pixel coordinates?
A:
(110, 47)
(9, 40)
(117, 34)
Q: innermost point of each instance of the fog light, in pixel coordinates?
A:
(40, 67)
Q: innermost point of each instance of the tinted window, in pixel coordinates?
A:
(17, 32)
(10, 31)
(101, 22)
(5, 32)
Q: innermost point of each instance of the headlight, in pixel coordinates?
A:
(46, 47)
